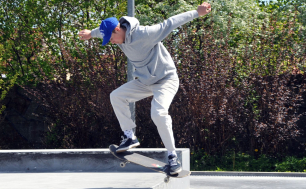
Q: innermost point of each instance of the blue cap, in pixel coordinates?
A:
(106, 28)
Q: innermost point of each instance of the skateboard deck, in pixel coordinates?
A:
(153, 164)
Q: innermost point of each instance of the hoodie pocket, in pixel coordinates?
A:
(144, 75)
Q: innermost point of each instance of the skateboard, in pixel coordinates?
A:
(138, 159)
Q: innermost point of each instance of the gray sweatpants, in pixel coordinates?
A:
(163, 94)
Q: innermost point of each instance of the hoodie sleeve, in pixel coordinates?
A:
(96, 33)
(158, 32)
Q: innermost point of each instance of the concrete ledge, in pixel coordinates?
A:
(78, 160)
(247, 174)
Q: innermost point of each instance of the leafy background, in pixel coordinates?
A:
(241, 72)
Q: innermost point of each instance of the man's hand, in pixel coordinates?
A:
(204, 9)
(85, 34)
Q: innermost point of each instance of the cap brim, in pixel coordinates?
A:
(106, 40)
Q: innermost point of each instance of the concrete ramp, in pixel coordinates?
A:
(83, 168)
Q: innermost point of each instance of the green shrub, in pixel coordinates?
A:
(292, 164)
(238, 80)
(201, 161)
(5, 86)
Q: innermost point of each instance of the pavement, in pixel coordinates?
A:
(98, 169)
(101, 180)
(245, 182)
(78, 180)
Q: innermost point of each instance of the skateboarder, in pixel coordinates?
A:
(155, 73)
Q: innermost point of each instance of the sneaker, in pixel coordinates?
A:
(174, 164)
(127, 143)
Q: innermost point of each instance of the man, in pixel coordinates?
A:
(155, 72)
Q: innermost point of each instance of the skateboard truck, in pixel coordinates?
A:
(123, 163)
(167, 179)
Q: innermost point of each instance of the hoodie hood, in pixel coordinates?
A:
(131, 23)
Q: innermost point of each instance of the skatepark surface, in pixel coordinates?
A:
(81, 180)
(246, 182)
(98, 169)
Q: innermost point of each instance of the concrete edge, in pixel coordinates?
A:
(79, 160)
(91, 150)
(247, 174)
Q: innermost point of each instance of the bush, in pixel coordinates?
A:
(230, 99)
(201, 161)
(5, 87)
(77, 101)
(221, 107)
(292, 164)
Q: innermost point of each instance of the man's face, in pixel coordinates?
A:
(118, 37)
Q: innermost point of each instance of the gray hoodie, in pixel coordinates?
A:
(144, 49)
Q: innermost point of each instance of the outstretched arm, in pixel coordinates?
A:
(202, 10)
(158, 32)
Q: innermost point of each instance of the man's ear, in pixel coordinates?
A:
(117, 28)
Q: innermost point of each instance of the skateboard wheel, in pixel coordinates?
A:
(122, 164)
(166, 179)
